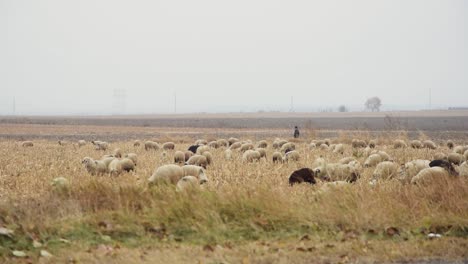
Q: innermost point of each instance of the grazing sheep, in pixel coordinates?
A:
(324, 147)
(411, 169)
(209, 157)
(383, 155)
(429, 175)
(228, 154)
(463, 169)
(445, 165)
(246, 146)
(277, 157)
(398, 143)
(202, 149)
(170, 173)
(466, 155)
(213, 144)
(222, 143)
(337, 172)
(179, 157)
(188, 154)
(193, 148)
(459, 149)
(339, 148)
(262, 152)
(133, 157)
(198, 160)
(312, 146)
(151, 145)
(251, 156)
(94, 167)
(385, 170)
(450, 144)
(100, 145)
(455, 158)
(197, 171)
(60, 183)
(358, 143)
(126, 165)
(372, 160)
(235, 145)
(278, 143)
(115, 168)
(27, 144)
(318, 142)
(107, 160)
(291, 156)
(327, 141)
(372, 143)
(287, 147)
(62, 142)
(168, 146)
(201, 142)
(81, 143)
(262, 144)
(117, 153)
(416, 144)
(302, 175)
(429, 144)
(440, 156)
(346, 160)
(187, 183)
(232, 141)
(136, 143)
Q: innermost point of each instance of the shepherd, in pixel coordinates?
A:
(296, 132)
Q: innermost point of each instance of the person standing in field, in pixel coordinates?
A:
(296, 132)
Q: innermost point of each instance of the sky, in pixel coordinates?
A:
(73, 57)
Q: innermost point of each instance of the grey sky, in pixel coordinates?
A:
(69, 56)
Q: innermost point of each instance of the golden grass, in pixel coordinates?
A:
(241, 203)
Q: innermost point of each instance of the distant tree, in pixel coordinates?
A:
(342, 108)
(373, 104)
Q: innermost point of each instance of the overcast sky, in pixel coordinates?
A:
(70, 56)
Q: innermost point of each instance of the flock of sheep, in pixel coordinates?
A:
(188, 167)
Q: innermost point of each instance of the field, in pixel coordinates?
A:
(246, 213)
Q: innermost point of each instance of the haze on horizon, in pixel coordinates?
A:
(68, 57)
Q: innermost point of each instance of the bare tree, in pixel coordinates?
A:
(342, 108)
(373, 104)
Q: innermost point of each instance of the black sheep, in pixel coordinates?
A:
(302, 175)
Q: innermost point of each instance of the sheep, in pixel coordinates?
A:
(228, 154)
(222, 143)
(410, 169)
(385, 170)
(202, 149)
(133, 157)
(459, 149)
(170, 173)
(188, 154)
(201, 142)
(372, 143)
(337, 172)
(302, 175)
(213, 144)
(197, 171)
(125, 164)
(100, 145)
(358, 143)
(117, 153)
(151, 145)
(193, 148)
(455, 158)
(287, 147)
(262, 151)
(186, 183)
(339, 148)
(251, 156)
(27, 144)
(466, 155)
(277, 157)
(81, 143)
(429, 144)
(235, 145)
(463, 169)
(440, 156)
(179, 157)
(60, 183)
(450, 144)
(198, 160)
(232, 141)
(209, 157)
(346, 160)
(278, 143)
(246, 146)
(416, 144)
(428, 175)
(398, 143)
(312, 146)
(372, 160)
(383, 155)
(94, 167)
(62, 142)
(168, 146)
(327, 141)
(291, 156)
(445, 165)
(136, 143)
(262, 144)
(318, 142)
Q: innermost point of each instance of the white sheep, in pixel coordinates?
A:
(372, 143)
(151, 145)
(460, 149)
(416, 144)
(117, 153)
(463, 169)
(456, 158)
(197, 171)
(117, 166)
(372, 160)
(246, 146)
(398, 143)
(179, 157)
(262, 152)
(337, 172)
(382, 154)
(232, 140)
(440, 156)
(228, 154)
(429, 144)
(188, 154)
(339, 148)
(466, 155)
(411, 169)
(186, 183)
(81, 143)
(60, 183)
(168, 146)
(94, 167)
(133, 157)
(430, 175)
(291, 156)
(201, 142)
(346, 160)
(213, 144)
(222, 142)
(450, 144)
(277, 157)
(170, 173)
(385, 170)
(235, 145)
(358, 143)
(202, 149)
(63, 142)
(262, 144)
(290, 146)
(324, 147)
(27, 144)
(251, 156)
(198, 160)
(100, 145)
(209, 157)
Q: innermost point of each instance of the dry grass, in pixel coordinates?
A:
(242, 203)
